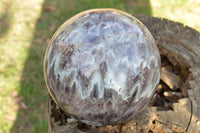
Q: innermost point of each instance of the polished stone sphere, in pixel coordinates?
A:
(102, 66)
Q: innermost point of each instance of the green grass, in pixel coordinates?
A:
(25, 29)
(184, 11)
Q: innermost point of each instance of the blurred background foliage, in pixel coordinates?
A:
(26, 27)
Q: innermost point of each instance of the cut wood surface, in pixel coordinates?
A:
(176, 104)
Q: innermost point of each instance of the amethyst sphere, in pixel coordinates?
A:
(102, 66)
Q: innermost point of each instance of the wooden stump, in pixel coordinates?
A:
(176, 105)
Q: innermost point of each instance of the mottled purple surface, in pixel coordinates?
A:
(102, 67)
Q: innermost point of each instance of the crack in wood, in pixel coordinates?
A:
(186, 129)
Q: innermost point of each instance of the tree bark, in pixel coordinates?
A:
(181, 46)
